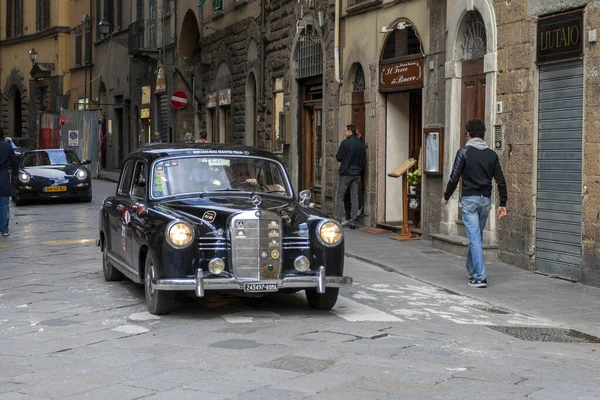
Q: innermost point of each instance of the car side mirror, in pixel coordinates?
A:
(305, 197)
(86, 162)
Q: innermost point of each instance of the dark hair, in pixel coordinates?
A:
(351, 128)
(203, 135)
(475, 128)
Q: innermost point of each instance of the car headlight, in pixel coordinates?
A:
(329, 233)
(24, 177)
(179, 234)
(81, 174)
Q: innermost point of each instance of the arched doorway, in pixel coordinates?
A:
(189, 38)
(471, 85)
(308, 58)
(250, 114)
(15, 112)
(401, 81)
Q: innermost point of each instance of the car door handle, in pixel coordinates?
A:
(120, 207)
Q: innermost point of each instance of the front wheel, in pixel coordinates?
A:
(322, 301)
(159, 302)
(110, 272)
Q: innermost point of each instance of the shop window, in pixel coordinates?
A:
(401, 43)
(279, 117)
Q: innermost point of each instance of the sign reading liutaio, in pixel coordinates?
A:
(560, 37)
(401, 75)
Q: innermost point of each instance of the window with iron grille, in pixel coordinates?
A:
(42, 21)
(359, 80)
(88, 45)
(78, 48)
(14, 18)
(217, 5)
(400, 43)
(309, 54)
(139, 10)
(152, 11)
(109, 13)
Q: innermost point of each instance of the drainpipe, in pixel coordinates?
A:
(337, 42)
(262, 54)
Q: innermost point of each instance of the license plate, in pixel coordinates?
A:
(48, 189)
(260, 287)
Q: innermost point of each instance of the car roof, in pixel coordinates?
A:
(213, 149)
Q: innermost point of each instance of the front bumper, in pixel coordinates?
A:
(199, 284)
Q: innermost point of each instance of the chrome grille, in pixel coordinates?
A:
(212, 244)
(295, 243)
(250, 238)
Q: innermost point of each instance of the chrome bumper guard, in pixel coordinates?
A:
(199, 284)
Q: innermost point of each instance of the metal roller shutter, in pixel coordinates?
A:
(560, 129)
(163, 116)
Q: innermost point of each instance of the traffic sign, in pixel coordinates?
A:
(179, 99)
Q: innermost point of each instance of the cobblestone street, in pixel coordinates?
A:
(65, 333)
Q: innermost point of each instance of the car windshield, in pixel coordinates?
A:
(50, 157)
(202, 174)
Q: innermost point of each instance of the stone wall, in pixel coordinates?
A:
(590, 271)
(434, 94)
(516, 88)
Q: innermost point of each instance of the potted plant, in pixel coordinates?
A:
(413, 181)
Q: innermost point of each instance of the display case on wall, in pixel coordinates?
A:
(433, 151)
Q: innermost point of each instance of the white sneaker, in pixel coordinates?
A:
(345, 222)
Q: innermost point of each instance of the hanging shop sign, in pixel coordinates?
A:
(146, 94)
(224, 97)
(161, 80)
(560, 37)
(145, 113)
(212, 100)
(401, 75)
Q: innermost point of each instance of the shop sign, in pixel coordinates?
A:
(224, 97)
(212, 100)
(161, 80)
(145, 113)
(560, 37)
(403, 75)
(146, 94)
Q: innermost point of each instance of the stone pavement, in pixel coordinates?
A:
(566, 304)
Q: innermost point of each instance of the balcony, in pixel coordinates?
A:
(142, 39)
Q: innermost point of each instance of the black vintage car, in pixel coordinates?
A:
(207, 217)
(52, 174)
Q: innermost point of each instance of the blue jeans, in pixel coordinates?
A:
(475, 211)
(4, 214)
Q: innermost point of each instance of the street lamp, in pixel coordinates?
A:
(104, 26)
(33, 55)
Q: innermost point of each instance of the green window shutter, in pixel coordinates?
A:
(217, 5)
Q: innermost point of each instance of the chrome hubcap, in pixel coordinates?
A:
(149, 277)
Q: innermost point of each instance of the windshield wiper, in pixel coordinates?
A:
(227, 190)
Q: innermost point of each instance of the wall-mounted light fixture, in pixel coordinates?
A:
(33, 55)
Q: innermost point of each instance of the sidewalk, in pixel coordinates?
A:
(565, 304)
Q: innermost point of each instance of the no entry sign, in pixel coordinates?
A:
(179, 99)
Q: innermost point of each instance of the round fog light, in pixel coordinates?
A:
(302, 264)
(216, 266)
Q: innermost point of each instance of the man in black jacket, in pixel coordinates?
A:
(352, 157)
(8, 162)
(477, 165)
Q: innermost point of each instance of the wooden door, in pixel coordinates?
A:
(311, 156)
(473, 100)
(358, 111)
(473, 94)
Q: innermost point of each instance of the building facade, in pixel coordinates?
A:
(35, 56)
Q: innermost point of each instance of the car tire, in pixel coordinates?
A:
(322, 301)
(159, 302)
(88, 199)
(111, 274)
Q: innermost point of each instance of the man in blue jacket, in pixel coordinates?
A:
(8, 161)
(352, 157)
(477, 165)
